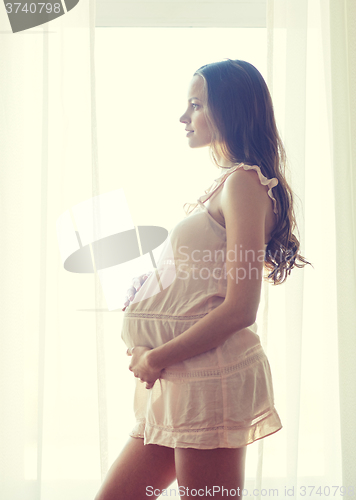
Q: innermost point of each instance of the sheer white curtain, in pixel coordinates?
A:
(62, 362)
(311, 74)
(50, 351)
(339, 36)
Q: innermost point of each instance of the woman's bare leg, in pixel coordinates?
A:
(138, 467)
(211, 470)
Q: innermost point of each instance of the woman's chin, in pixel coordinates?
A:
(194, 144)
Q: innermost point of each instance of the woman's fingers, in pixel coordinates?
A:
(130, 295)
(130, 292)
(137, 282)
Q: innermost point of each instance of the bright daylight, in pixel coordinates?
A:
(178, 240)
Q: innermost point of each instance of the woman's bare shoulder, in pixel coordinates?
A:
(243, 189)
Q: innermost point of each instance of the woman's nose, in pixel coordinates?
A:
(183, 119)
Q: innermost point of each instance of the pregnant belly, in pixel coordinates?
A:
(152, 331)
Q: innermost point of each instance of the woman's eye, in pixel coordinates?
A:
(197, 105)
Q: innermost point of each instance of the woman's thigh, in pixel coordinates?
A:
(210, 471)
(138, 471)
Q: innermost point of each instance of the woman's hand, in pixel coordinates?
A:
(141, 367)
(136, 285)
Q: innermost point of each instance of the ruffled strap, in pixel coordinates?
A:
(271, 183)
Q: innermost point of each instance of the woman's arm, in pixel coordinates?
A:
(244, 203)
(207, 333)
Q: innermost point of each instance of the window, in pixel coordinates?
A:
(141, 94)
(192, 13)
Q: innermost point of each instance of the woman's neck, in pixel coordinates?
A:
(224, 164)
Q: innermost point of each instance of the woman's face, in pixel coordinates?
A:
(194, 118)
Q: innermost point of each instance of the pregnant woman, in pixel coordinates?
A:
(203, 382)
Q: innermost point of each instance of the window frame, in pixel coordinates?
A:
(180, 13)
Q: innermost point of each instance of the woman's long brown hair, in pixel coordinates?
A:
(241, 117)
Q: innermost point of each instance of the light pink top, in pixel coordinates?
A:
(235, 375)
